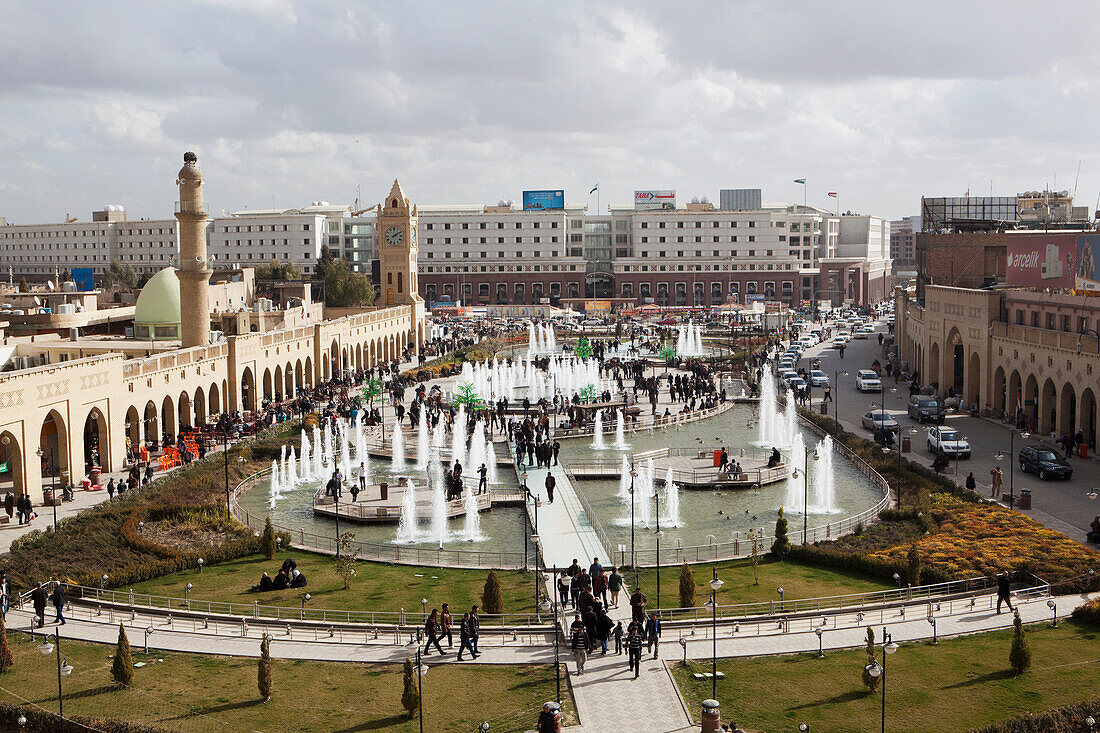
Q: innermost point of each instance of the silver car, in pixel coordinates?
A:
(879, 421)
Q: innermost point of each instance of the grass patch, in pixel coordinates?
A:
(957, 685)
(798, 580)
(375, 587)
(189, 692)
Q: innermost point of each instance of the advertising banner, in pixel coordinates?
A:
(1041, 260)
(654, 200)
(591, 306)
(1088, 264)
(544, 200)
(82, 276)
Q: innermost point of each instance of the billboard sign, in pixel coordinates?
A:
(1041, 261)
(546, 200)
(1088, 265)
(82, 276)
(654, 200)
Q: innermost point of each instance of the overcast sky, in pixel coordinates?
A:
(473, 102)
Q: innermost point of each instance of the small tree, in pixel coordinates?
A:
(588, 393)
(584, 348)
(465, 394)
(267, 540)
(913, 558)
(781, 543)
(372, 388)
(122, 669)
(687, 586)
(6, 657)
(754, 556)
(345, 564)
(870, 680)
(1020, 656)
(263, 671)
(491, 599)
(667, 354)
(410, 695)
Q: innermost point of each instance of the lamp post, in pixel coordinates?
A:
(53, 481)
(820, 633)
(633, 563)
(875, 670)
(715, 585)
(548, 605)
(225, 454)
(526, 493)
(837, 374)
(658, 534)
(419, 680)
(1012, 432)
(806, 492)
(64, 669)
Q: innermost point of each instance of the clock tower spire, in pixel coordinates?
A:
(397, 249)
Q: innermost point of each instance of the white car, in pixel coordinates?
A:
(839, 341)
(819, 378)
(949, 441)
(797, 383)
(592, 322)
(868, 381)
(786, 375)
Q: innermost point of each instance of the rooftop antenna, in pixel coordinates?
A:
(1076, 179)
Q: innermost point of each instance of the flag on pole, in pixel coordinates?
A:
(800, 180)
(833, 194)
(594, 189)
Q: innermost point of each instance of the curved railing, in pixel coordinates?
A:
(376, 551)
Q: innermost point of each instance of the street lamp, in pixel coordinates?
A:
(420, 669)
(658, 534)
(715, 585)
(1054, 609)
(1011, 462)
(547, 605)
(837, 374)
(633, 562)
(526, 493)
(806, 492)
(820, 633)
(875, 670)
(64, 669)
(53, 482)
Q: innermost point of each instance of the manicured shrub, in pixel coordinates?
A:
(122, 669)
(781, 545)
(263, 671)
(492, 601)
(6, 657)
(267, 540)
(1088, 613)
(687, 586)
(1019, 657)
(869, 680)
(410, 694)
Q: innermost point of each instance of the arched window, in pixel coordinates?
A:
(400, 279)
(394, 204)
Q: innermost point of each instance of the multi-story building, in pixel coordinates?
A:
(903, 244)
(694, 254)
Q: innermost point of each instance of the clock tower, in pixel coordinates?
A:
(397, 250)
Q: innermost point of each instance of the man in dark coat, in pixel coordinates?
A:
(38, 600)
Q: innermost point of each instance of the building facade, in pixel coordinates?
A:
(903, 244)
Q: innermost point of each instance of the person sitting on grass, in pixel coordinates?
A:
(297, 579)
(265, 583)
(281, 582)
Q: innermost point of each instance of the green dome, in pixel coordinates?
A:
(157, 312)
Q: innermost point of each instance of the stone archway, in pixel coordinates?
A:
(151, 424)
(11, 455)
(1048, 407)
(974, 380)
(1086, 421)
(326, 372)
(288, 381)
(1000, 391)
(309, 371)
(298, 378)
(184, 411)
(277, 384)
(248, 390)
(358, 356)
(334, 359)
(133, 428)
(96, 449)
(214, 398)
(267, 393)
(933, 373)
(199, 401)
(54, 444)
(1067, 410)
(1031, 398)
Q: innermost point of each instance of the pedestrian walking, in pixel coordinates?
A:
(482, 479)
(615, 584)
(57, 598)
(970, 482)
(475, 629)
(637, 606)
(557, 449)
(634, 652)
(1004, 592)
(432, 630)
(563, 589)
(652, 633)
(445, 622)
(997, 476)
(618, 637)
(38, 601)
(551, 482)
(579, 643)
(465, 638)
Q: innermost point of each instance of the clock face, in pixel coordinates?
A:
(394, 235)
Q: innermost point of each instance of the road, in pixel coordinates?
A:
(1058, 504)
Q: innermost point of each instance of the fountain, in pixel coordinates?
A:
(397, 447)
(643, 492)
(439, 503)
(796, 477)
(406, 529)
(472, 531)
(672, 500)
(303, 465)
(597, 432)
(689, 341)
(624, 480)
(823, 489)
(422, 441)
(768, 410)
(620, 432)
(275, 489)
(458, 437)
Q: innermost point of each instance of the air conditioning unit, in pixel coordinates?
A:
(66, 309)
(129, 332)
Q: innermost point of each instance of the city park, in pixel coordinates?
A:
(799, 560)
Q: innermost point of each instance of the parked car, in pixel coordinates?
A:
(868, 381)
(923, 408)
(839, 341)
(949, 441)
(797, 383)
(878, 421)
(819, 378)
(1045, 461)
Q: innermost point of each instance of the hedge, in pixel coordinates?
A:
(105, 538)
(1066, 719)
(43, 721)
(1088, 613)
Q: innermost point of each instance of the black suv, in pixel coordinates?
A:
(1045, 461)
(926, 409)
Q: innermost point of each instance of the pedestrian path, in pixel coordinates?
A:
(565, 529)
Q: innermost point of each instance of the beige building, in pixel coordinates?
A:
(1007, 351)
(104, 392)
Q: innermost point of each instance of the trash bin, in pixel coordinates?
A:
(385, 489)
(906, 444)
(1025, 499)
(712, 717)
(717, 458)
(1084, 450)
(824, 408)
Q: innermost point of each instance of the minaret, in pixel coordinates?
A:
(194, 275)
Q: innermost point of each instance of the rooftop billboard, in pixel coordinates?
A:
(1088, 265)
(1041, 260)
(654, 200)
(543, 200)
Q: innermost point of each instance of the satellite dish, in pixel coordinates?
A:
(50, 286)
(37, 300)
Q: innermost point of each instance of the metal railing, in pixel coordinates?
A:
(659, 421)
(593, 520)
(147, 602)
(376, 551)
(709, 476)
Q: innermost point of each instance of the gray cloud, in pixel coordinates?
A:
(471, 102)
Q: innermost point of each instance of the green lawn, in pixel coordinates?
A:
(798, 580)
(957, 685)
(187, 692)
(375, 587)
